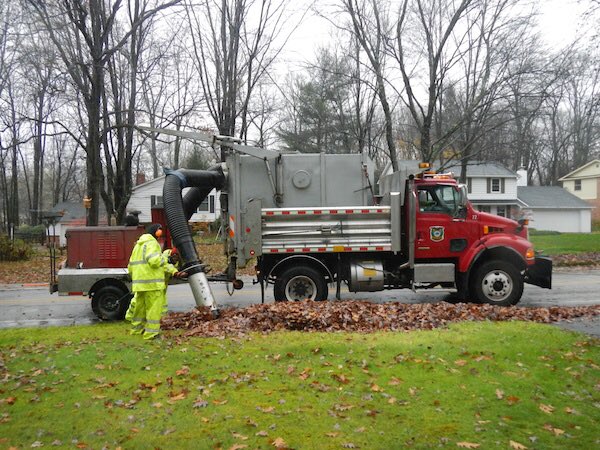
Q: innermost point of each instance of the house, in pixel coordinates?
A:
(553, 208)
(491, 187)
(149, 194)
(584, 182)
(497, 190)
(69, 215)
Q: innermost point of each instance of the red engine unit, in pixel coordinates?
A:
(95, 247)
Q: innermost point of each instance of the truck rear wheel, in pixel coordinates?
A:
(497, 283)
(300, 283)
(110, 303)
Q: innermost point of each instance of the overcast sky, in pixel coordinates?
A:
(560, 23)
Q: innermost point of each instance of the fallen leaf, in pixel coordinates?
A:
(237, 447)
(340, 378)
(183, 371)
(261, 433)
(499, 394)
(467, 445)
(279, 443)
(395, 381)
(460, 362)
(332, 434)
(516, 445)
(305, 373)
(375, 388)
(349, 445)
(511, 399)
(548, 409)
(176, 397)
(266, 410)
(239, 436)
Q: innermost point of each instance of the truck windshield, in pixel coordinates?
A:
(439, 199)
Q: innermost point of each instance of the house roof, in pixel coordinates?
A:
(70, 211)
(550, 197)
(573, 174)
(480, 169)
(74, 214)
(147, 183)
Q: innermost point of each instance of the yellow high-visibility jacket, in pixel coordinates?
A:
(147, 265)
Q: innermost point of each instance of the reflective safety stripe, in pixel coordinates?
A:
(155, 280)
(144, 252)
(138, 319)
(152, 330)
(152, 321)
(151, 255)
(136, 263)
(137, 326)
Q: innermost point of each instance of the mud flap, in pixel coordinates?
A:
(540, 274)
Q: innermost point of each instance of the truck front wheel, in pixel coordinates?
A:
(497, 283)
(110, 303)
(300, 283)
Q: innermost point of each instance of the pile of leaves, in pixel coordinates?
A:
(357, 316)
(576, 259)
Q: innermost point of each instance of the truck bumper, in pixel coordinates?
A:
(540, 274)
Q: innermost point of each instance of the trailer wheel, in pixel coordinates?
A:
(497, 283)
(300, 283)
(110, 303)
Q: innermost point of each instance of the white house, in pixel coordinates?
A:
(146, 195)
(492, 188)
(495, 189)
(552, 208)
(584, 182)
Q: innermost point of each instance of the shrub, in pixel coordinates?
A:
(16, 250)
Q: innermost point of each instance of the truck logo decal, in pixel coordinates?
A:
(436, 234)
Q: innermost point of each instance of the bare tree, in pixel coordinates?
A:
(424, 38)
(81, 32)
(235, 42)
(370, 28)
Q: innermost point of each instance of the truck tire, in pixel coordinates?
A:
(300, 283)
(110, 303)
(497, 283)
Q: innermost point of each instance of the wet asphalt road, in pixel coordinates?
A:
(33, 306)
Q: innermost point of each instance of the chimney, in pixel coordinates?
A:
(521, 177)
(140, 178)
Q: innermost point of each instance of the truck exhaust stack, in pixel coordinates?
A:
(179, 210)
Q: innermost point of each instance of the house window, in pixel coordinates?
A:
(156, 200)
(577, 185)
(501, 211)
(495, 185)
(469, 185)
(484, 208)
(208, 205)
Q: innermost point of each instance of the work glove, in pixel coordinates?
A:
(181, 274)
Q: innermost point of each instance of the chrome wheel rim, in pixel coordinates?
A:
(497, 285)
(300, 287)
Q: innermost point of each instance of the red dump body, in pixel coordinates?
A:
(95, 247)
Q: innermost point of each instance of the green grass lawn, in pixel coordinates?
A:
(477, 383)
(561, 243)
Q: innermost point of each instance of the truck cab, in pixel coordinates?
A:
(492, 254)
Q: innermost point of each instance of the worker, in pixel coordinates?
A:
(172, 256)
(148, 268)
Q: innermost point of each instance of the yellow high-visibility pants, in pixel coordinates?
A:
(146, 313)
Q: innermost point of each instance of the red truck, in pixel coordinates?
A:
(309, 221)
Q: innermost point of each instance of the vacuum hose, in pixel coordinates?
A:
(179, 210)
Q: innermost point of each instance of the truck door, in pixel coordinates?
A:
(440, 232)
